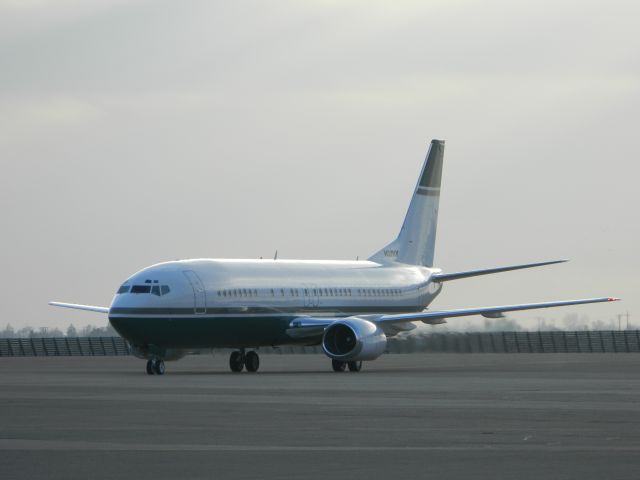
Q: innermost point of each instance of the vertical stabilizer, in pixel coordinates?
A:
(416, 242)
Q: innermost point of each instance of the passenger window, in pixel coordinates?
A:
(155, 290)
(282, 292)
(123, 289)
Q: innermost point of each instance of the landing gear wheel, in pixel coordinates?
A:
(150, 367)
(252, 361)
(158, 367)
(355, 366)
(338, 366)
(236, 361)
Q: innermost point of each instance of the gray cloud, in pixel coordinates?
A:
(136, 132)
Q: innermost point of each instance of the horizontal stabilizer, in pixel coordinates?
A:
(75, 306)
(491, 312)
(445, 277)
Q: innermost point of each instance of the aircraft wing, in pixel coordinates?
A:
(445, 277)
(312, 326)
(75, 306)
(489, 312)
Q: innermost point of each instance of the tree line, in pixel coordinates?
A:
(71, 331)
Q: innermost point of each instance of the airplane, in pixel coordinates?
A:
(350, 308)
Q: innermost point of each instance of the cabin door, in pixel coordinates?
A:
(199, 294)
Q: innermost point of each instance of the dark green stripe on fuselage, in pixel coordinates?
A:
(297, 311)
(202, 331)
(234, 328)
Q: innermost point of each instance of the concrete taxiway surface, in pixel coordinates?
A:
(404, 416)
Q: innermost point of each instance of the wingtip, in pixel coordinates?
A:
(613, 299)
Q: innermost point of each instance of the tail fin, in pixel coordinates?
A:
(416, 241)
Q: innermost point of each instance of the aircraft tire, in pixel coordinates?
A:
(236, 361)
(355, 366)
(150, 367)
(158, 367)
(338, 366)
(252, 361)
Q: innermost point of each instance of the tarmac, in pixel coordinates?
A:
(445, 416)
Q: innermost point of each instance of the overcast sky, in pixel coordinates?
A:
(134, 132)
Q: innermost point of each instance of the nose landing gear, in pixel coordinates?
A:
(236, 361)
(252, 361)
(155, 366)
(239, 360)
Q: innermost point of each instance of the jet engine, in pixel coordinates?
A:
(354, 339)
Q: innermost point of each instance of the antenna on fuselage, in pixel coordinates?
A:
(275, 257)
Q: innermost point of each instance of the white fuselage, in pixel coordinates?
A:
(209, 302)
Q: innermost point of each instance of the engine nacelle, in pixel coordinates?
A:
(354, 339)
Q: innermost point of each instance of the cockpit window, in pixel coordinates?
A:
(153, 289)
(141, 289)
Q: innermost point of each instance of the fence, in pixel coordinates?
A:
(586, 341)
(597, 341)
(63, 346)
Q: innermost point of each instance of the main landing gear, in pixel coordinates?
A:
(339, 366)
(155, 366)
(239, 360)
